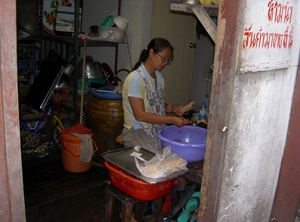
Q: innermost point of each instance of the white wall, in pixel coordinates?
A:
(179, 29)
(258, 123)
(139, 15)
(255, 108)
(137, 12)
(202, 73)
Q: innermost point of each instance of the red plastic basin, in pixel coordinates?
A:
(136, 188)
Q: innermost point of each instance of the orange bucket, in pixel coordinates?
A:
(71, 153)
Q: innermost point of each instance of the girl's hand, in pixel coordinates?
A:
(179, 121)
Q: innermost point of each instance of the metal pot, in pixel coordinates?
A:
(93, 69)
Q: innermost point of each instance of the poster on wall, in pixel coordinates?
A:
(268, 35)
(49, 8)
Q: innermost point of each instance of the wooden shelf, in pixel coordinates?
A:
(203, 13)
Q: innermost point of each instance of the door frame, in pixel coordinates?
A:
(287, 198)
(12, 207)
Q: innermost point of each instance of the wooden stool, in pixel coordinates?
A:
(126, 200)
(128, 203)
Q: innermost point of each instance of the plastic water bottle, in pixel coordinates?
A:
(202, 112)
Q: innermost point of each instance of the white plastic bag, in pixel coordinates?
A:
(161, 165)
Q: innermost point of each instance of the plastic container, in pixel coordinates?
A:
(108, 21)
(111, 34)
(195, 117)
(136, 188)
(187, 141)
(94, 30)
(121, 22)
(106, 92)
(71, 154)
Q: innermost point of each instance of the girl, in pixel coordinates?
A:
(143, 98)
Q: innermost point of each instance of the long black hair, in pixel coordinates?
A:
(157, 44)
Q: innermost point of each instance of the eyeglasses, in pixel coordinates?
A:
(164, 59)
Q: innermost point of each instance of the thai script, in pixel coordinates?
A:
(262, 39)
(277, 13)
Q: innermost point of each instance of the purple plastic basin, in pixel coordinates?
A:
(186, 141)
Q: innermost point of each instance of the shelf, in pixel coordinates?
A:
(212, 10)
(30, 47)
(25, 72)
(203, 13)
(71, 46)
(71, 41)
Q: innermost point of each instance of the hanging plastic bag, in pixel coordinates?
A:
(161, 165)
